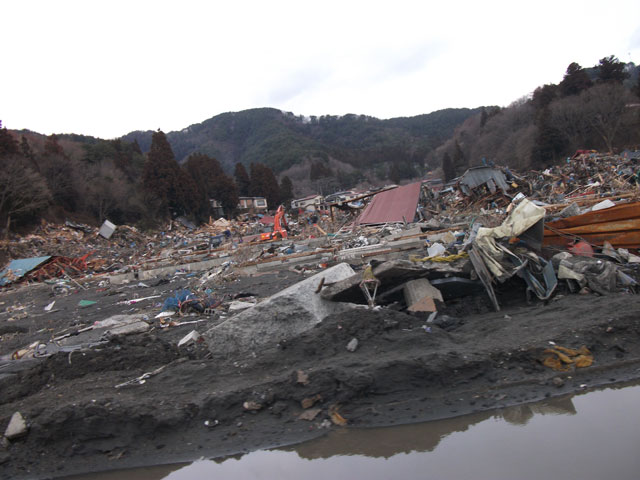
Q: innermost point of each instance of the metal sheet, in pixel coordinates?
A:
(392, 206)
(19, 268)
(477, 176)
(619, 225)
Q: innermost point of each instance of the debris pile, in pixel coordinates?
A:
(399, 268)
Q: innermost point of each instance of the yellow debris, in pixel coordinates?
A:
(336, 418)
(561, 357)
(449, 258)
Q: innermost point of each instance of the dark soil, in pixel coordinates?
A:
(404, 370)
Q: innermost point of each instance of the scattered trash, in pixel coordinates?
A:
(562, 358)
(335, 417)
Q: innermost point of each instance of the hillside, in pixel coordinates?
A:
(281, 140)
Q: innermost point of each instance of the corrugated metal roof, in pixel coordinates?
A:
(20, 268)
(392, 205)
(476, 176)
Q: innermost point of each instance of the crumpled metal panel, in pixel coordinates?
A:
(19, 268)
(492, 177)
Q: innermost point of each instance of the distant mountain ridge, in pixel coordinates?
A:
(281, 140)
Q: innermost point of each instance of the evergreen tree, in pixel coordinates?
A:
(549, 142)
(27, 153)
(319, 170)
(484, 116)
(611, 70)
(242, 180)
(286, 190)
(447, 168)
(212, 183)
(543, 96)
(8, 144)
(136, 147)
(575, 80)
(52, 147)
(163, 179)
(264, 184)
(459, 161)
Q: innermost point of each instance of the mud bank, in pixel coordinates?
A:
(198, 404)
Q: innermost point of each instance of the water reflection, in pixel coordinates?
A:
(587, 436)
(421, 437)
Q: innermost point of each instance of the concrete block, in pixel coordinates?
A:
(17, 427)
(278, 318)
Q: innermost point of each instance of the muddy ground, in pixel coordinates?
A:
(403, 370)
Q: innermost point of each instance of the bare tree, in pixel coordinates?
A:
(607, 111)
(23, 192)
(569, 117)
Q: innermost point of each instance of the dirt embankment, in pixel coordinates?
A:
(197, 404)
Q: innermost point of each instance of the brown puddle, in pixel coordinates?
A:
(588, 436)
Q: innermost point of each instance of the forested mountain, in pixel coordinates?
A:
(281, 140)
(145, 178)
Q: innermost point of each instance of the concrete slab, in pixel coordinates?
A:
(17, 427)
(279, 318)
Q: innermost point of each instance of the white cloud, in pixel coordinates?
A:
(106, 68)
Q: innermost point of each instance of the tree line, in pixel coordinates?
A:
(591, 108)
(113, 179)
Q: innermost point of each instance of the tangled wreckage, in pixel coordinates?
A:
(121, 348)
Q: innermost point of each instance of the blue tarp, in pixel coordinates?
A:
(19, 268)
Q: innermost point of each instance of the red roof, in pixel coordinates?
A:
(392, 205)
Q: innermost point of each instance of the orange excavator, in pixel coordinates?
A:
(280, 226)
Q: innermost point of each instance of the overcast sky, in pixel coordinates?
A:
(105, 68)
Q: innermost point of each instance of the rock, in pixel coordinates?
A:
(558, 382)
(251, 406)
(302, 377)
(310, 401)
(278, 407)
(309, 415)
(17, 427)
(279, 318)
(352, 345)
